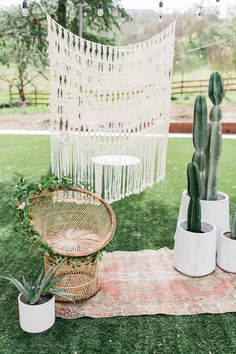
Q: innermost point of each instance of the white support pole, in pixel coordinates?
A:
(80, 19)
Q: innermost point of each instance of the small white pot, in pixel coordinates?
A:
(36, 318)
(214, 211)
(226, 252)
(195, 253)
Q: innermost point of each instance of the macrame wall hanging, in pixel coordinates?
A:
(110, 109)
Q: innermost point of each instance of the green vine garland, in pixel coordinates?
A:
(22, 221)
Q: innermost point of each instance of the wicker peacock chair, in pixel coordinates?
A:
(75, 223)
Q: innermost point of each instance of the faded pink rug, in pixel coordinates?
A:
(145, 283)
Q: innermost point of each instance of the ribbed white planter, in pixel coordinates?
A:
(195, 253)
(214, 211)
(36, 318)
(226, 252)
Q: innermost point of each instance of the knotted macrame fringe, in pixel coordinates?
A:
(110, 108)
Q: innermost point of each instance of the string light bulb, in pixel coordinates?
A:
(25, 10)
(228, 44)
(177, 60)
(200, 54)
(161, 11)
(123, 18)
(199, 12)
(100, 11)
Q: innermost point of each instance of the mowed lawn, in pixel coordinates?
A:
(145, 221)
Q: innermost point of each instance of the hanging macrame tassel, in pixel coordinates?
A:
(110, 110)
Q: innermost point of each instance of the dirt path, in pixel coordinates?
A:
(41, 121)
(34, 121)
(186, 112)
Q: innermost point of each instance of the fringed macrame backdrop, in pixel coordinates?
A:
(110, 109)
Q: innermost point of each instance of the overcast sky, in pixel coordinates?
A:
(146, 4)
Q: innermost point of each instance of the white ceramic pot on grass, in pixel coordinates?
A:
(213, 211)
(226, 252)
(36, 318)
(195, 253)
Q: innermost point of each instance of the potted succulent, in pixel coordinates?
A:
(37, 301)
(226, 248)
(195, 240)
(208, 145)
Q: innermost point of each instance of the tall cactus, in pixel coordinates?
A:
(214, 147)
(200, 138)
(194, 191)
(233, 227)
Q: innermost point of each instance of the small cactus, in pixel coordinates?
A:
(200, 137)
(194, 192)
(233, 228)
(216, 89)
(214, 146)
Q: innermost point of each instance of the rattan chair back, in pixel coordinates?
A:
(74, 222)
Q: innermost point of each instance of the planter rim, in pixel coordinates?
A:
(224, 195)
(213, 227)
(19, 298)
(225, 237)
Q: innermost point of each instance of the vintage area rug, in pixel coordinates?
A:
(145, 283)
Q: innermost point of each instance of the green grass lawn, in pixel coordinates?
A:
(24, 110)
(145, 221)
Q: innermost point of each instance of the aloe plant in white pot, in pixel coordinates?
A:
(226, 248)
(37, 301)
(208, 146)
(195, 240)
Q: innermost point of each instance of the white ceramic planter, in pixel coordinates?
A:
(195, 253)
(213, 211)
(226, 252)
(36, 318)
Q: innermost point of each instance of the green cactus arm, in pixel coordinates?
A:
(213, 157)
(216, 114)
(200, 123)
(216, 88)
(194, 190)
(233, 228)
(190, 216)
(200, 138)
(199, 158)
(214, 147)
(194, 187)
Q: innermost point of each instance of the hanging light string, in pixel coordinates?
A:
(25, 7)
(198, 10)
(161, 6)
(200, 49)
(199, 14)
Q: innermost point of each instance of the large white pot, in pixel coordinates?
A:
(195, 253)
(226, 252)
(36, 318)
(214, 211)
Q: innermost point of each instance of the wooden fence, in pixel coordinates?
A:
(33, 98)
(199, 86)
(37, 98)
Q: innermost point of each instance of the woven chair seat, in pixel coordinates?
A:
(74, 222)
(73, 240)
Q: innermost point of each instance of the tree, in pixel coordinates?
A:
(23, 47)
(95, 27)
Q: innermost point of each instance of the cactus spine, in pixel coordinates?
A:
(194, 191)
(200, 138)
(233, 228)
(214, 147)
